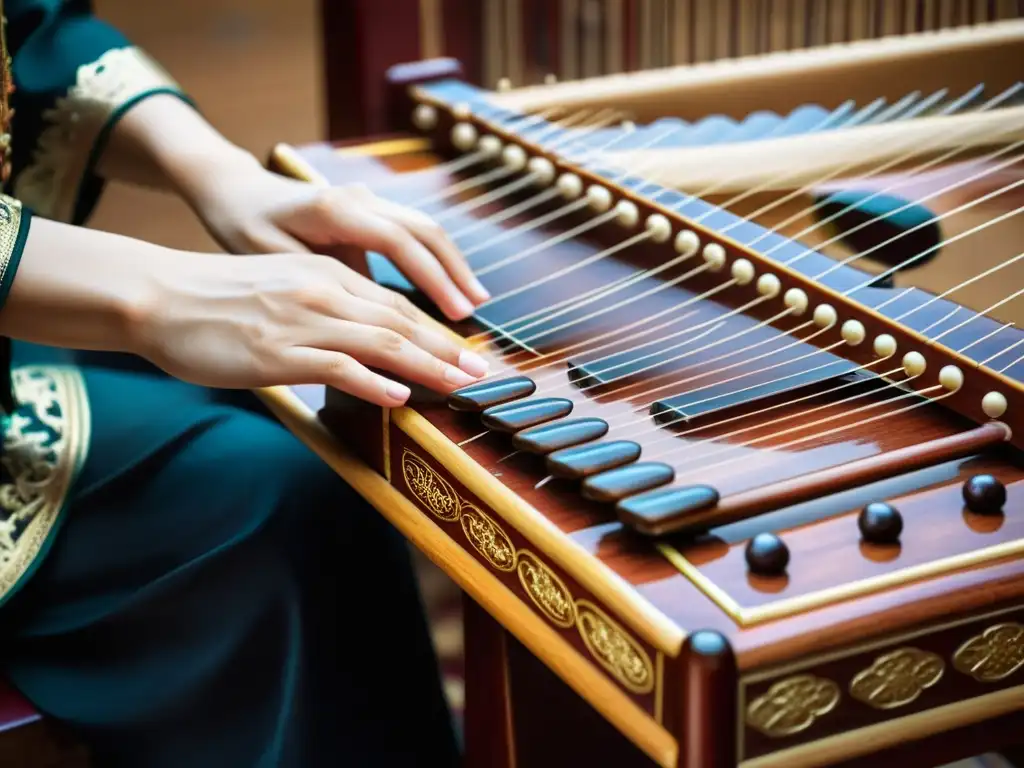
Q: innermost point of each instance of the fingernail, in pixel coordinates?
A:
(478, 288)
(398, 391)
(473, 364)
(463, 308)
(459, 378)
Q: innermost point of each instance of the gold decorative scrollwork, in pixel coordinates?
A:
(488, 538)
(792, 705)
(897, 678)
(546, 590)
(430, 488)
(613, 647)
(607, 642)
(993, 655)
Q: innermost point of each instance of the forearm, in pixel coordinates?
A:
(80, 289)
(164, 143)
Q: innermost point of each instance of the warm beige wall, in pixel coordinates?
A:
(253, 66)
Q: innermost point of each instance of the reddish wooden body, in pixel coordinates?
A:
(843, 606)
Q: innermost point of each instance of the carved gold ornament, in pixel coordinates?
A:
(792, 705)
(993, 655)
(616, 651)
(546, 590)
(607, 642)
(897, 678)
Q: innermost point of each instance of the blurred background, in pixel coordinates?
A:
(254, 68)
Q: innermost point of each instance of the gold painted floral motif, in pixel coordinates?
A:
(792, 705)
(610, 645)
(430, 488)
(607, 642)
(897, 678)
(488, 538)
(993, 655)
(546, 590)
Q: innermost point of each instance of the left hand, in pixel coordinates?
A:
(256, 211)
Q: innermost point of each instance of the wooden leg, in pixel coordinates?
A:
(488, 713)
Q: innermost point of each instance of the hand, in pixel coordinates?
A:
(293, 319)
(251, 210)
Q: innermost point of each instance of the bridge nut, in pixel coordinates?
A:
(994, 404)
(687, 243)
(825, 316)
(796, 300)
(914, 364)
(490, 146)
(424, 117)
(714, 256)
(627, 214)
(514, 157)
(463, 136)
(570, 185)
(768, 285)
(853, 332)
(542, 169)
(659, 227)
(600, 198)
(951, 377)
(743, 271)
(885, 345)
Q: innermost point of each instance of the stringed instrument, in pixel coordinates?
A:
(747, 473)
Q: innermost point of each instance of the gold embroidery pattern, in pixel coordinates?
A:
(49, 185)
(793, 705)
(610, 645)
(897, 678)
(45, 442)
(607, 642)
(10, 225)
(488, 538)
(993, 655)
(546, 590)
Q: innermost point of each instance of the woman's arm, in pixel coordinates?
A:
(219, 321)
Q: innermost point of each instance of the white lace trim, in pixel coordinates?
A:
(50, 184)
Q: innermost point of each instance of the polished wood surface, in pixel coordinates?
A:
(949, 563)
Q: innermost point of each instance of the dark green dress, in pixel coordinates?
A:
(181, 581)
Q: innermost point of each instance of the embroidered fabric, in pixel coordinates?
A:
(45, 443)
(62, 154)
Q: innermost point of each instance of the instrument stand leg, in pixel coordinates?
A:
(488, 713)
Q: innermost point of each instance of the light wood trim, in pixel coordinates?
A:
(294, 164)
(533, 632)
(602, 582)
(771, 165)
(745, 72)
(874, 738)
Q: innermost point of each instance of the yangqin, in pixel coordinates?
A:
(745, 483)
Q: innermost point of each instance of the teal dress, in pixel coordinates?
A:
(182, 582)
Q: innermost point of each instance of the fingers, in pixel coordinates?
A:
(413, 242)
(338, 370)
(416, 261)
(390, 351)
(386, 313)
(436, 239)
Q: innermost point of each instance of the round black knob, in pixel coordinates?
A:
(767, 555)
(984, 494)
(880, 523)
